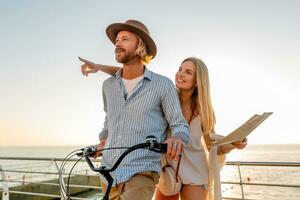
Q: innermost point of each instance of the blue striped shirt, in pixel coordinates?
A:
(149, 110)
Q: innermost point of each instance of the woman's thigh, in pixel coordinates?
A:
(193, 192)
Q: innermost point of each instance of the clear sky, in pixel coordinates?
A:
(252, 50)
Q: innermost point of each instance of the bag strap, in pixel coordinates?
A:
(165, 163)
(177, 169)
(179, 159)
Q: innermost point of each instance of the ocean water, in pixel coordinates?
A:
(256, 153)
(263, 174)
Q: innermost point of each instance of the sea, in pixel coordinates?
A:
(249, 174)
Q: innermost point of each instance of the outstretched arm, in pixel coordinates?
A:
(226, 148)
(90, 67)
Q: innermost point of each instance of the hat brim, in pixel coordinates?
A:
(113, 30)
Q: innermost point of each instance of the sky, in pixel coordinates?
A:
(251, 48)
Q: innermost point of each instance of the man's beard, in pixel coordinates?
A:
(126, 57)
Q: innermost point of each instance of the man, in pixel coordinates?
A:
(138, 103)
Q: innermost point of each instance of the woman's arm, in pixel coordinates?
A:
(226, 148)
(90, 67)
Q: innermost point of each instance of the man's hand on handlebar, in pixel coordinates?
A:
(99, 146)
(175, 145)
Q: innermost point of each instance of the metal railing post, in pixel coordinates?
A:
(61, 180)
(241, 180)
(5, 190)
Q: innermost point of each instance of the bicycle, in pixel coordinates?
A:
(150, 144)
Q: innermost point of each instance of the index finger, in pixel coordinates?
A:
(85, 61)
(170, 146)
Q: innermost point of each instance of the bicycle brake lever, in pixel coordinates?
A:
(89, 150)
(80, 154)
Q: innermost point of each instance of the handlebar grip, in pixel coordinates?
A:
(163, 147)
(159, 147)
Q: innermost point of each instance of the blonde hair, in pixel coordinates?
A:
(202, 96)
(141, 50)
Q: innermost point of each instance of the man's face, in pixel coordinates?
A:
(126, 44)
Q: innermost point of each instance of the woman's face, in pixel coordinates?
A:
(185, 78)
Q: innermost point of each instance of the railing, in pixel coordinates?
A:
(242, 183)
(41, 172)
(23, 179)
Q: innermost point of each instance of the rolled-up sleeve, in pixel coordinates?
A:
(172, 110)
(104, 133)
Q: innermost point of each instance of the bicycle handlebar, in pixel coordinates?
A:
(156, 147)
(150, 144)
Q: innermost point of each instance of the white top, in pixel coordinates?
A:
(193, 169)
(130, 84)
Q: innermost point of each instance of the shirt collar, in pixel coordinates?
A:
(147, 74)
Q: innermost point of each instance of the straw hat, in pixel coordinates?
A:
(135, 27)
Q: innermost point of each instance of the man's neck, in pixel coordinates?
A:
(132, 69)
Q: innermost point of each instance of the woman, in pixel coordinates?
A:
(200, 162)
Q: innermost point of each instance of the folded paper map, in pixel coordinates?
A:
(244, 130)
